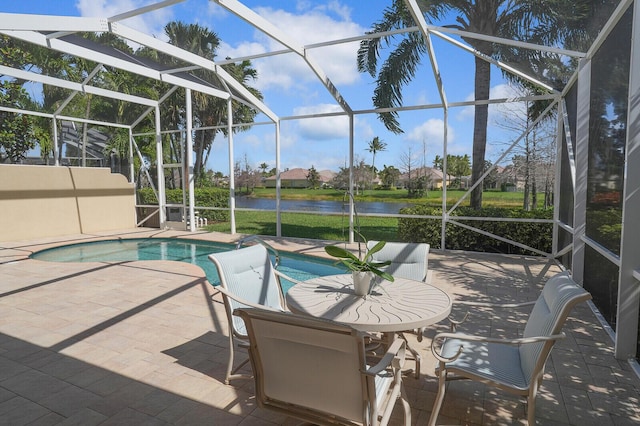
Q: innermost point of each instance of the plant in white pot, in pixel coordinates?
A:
(363, 269)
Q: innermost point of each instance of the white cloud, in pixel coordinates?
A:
(252, 141)
(214, 10)
(322, 128)
(318, 159)
(431, 132)
(365, 131)
(500, 91)
(306, 26)
(270, 75)
(505, 112)
(422, 98)
(504, 90)
(149, 23)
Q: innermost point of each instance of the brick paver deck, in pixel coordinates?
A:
(144, 342)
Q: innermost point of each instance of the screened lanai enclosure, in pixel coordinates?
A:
(560, 101)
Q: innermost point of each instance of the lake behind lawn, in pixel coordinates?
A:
(320, 205)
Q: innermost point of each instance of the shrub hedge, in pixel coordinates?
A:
(604, 225)
(204, 197)
(536, 235)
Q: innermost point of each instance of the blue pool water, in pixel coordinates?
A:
(195, 252)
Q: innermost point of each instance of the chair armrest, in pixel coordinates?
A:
(483, 339)
(394, 356)
(286, 277)
(454, 323)
(243, 301)
(495, 305)
(429, 276)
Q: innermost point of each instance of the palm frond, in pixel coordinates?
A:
(397, 71)
(394, 17)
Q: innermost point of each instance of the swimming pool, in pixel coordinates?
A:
(196, 252)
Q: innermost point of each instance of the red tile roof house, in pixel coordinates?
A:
(297, 178)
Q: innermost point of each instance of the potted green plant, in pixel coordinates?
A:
(363, 269)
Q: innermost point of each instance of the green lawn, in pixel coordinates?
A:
(322, 227)
(335, 227)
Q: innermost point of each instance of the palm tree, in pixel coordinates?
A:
(509, 19)
(203, 42)
(208, 111)
(375, 145)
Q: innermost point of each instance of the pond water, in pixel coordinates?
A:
(320, 205)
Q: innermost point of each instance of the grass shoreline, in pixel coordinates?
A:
(331, 227)
(334, 226)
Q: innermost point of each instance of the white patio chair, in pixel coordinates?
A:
(513, 365)
(316, 370)
(247, 278)
(408, 260)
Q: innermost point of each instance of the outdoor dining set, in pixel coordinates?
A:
(323, 354)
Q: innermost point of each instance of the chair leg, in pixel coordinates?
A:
(405, 406)
(531, 406)
(437, 404)
(227, 377)
(230, 370)
(396, 392)
(417, 358)
(414, 353)
(238, 376)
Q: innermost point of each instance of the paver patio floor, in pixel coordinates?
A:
(144, 342)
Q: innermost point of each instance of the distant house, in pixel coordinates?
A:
(434, 177)
(297, 178)
(326, 176)
(510, 178)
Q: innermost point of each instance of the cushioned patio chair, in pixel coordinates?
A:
(316, 370)
(513, 365)
(408, 260)
(247, 278)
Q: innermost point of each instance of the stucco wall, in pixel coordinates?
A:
(44, 201)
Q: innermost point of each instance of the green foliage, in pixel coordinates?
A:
(319, 227)
(12, 52)
(417, 187)
(313, 177)
(389, 177)
(605, 226)
(208, 111)
(355, 264)
(17, 134)
(204, 197)
(213, 197)
(536, 235)
(457, 166)
(147, 196)
(335, 228)
(504, 186)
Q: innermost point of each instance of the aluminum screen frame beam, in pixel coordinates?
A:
(109, 60)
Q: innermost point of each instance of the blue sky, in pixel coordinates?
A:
(290, 88)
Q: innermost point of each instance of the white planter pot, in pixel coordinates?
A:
(362, 282)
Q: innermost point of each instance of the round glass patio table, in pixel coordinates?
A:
(391, 307)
